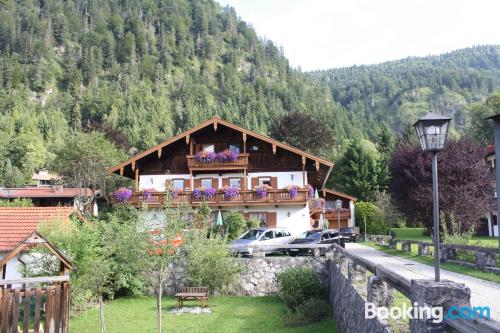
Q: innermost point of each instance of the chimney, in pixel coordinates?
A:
(58, 188)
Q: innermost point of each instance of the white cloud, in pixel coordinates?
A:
(319, 34)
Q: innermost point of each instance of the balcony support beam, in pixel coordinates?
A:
(304, 171)
(136, 183)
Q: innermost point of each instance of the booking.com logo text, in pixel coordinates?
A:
(437, 314)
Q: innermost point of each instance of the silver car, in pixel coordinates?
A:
(270, 238)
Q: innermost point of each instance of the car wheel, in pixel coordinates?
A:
(316, 252)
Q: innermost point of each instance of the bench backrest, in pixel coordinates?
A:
(195, 290)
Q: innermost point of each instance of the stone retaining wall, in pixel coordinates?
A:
(258, 275)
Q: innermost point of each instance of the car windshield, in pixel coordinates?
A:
(252, 234)
(310, 235)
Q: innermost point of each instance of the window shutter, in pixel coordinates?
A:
(187, 184)
(254, 182)
(225, 182)
(271, 219)
(215, 183)
(274, 182)
(197, 183)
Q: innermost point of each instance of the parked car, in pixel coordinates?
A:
(348, 234)
(272, 238)
(329, 236)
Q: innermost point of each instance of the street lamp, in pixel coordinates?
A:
(338, 205)
(432, 130)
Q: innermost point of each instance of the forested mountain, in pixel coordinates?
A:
(398, 92)
(138, 71)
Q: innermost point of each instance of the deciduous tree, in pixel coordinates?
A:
(465, 182)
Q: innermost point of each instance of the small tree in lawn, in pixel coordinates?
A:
(167, 237)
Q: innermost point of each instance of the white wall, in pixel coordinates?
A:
(489, 216)
(352, 222)
(297, 222)
(13, 268)
(284, 179)
(157, 181)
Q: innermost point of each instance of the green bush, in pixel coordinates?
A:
(375, 223)
(252, 223)
(311, 311)
(235, 225)
(209, 264)
(298, 285)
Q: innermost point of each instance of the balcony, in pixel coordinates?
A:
(317, 207)
(244, 198)
(240, 163)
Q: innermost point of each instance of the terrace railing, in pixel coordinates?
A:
(241, 162)
(244, 197)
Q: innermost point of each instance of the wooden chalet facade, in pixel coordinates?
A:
(192, 161)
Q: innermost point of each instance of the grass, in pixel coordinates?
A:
(230, 315)
(429, 260)
(416, 234)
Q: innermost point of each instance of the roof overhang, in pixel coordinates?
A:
(215, 121)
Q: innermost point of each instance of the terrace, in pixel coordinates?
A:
(243, 198)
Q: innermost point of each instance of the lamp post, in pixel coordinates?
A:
(338, 205)
(432, 130)
(496, 130)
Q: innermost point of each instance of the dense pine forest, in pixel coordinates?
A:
(398, 92)
(88, 77)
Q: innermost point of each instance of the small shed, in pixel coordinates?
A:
(33, 240)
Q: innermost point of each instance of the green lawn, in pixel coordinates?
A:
(429, 260)
(417, 235)
(231, 314)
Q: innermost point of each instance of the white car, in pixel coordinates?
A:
(271, 238)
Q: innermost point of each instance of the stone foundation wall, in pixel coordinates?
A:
(258, 275)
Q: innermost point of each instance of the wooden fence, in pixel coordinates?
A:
(34, 306)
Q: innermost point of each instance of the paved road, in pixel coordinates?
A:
(483, 293)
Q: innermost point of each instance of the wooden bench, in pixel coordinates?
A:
(192, 293)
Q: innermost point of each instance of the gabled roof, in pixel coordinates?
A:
(339, 194)
(35, 239)
(43, 192)
(17, 223)
(214, 121)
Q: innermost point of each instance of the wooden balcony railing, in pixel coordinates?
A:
(244, 198)
(329, 213)
(240, 163)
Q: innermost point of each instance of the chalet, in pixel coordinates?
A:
(489, 224)
(232, 169)
(55, 195)
(17, 223)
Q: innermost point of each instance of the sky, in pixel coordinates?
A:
(321, 34)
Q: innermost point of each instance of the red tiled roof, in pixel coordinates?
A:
(17, 223)
(43, 192)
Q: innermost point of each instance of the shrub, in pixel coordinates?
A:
(299, 284)
(209, 264)
(311, 311)
(252, 223)
(375, 223)
(235, 225)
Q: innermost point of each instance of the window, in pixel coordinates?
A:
(206, 182)
(268, 235)
(235, 182)
(254, 148)
(264, 181)
(178, 184)
(324, 236)
(235, 148)
(262, 217)
(208, 147)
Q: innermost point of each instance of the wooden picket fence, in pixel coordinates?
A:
(39, 305)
